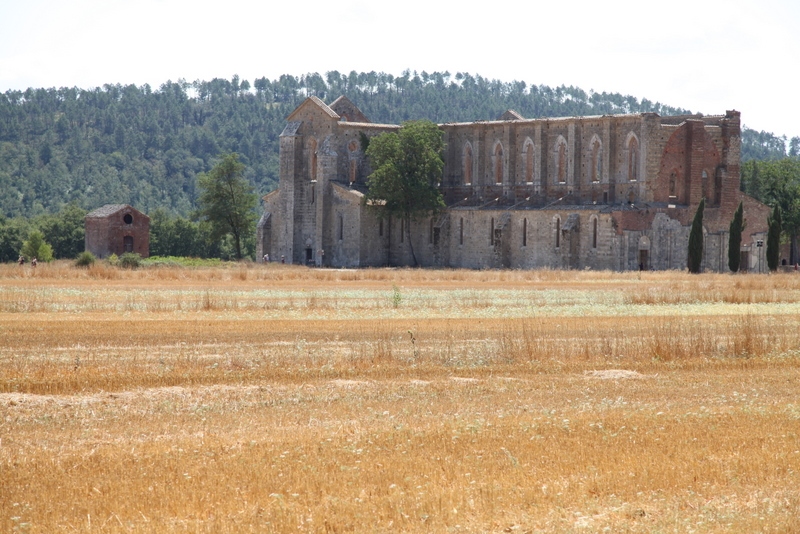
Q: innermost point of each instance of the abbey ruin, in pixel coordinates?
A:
(605, 192)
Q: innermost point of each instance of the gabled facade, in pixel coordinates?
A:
(117, 229)
(605, 192)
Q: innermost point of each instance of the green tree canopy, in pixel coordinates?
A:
(735, 239)
(227, 201)
(36, 247)
(12, 234)
(695, 255)
(65, 231)
(176, 236)
(780, 185)
(407, 172)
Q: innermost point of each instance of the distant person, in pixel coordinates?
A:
(266, 258)
(21, 260)
(283, 258)
(33, 263)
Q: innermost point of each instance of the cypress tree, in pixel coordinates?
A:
(774, 229)
(735, 239)
(695, 256)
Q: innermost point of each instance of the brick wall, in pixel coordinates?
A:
(112, 234)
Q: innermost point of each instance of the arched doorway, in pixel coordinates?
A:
(644, 253)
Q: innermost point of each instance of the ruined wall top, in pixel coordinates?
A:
(348, 111)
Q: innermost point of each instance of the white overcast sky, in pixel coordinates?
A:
(704, 55)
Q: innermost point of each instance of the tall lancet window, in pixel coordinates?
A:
(596, 172)
(498, 164)
(468, 164)
(561, 161)
(527, 158)
(312, 159)
(633, 159)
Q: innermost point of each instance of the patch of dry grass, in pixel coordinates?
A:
(281, 399)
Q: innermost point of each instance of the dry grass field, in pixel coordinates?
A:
(281, 399)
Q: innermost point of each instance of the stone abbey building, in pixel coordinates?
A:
(607, 192)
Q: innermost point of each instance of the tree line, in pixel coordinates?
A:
(69, 150)
(145, 146)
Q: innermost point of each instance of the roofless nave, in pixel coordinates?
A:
(608, 192)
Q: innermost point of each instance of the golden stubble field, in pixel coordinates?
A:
(276, 399)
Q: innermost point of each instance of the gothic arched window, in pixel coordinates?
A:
(312, 159)
(467, 164)
(527, 159)
(498, 164)
(596, 171)
(561, 161)
(633, 159)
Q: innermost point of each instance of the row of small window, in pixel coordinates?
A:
(493, 240)
(560, 160)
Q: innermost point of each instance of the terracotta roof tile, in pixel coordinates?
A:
(105, 211)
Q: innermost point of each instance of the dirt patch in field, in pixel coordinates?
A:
(348, 383)
(613, 374)
(32, 399)
(464, 380)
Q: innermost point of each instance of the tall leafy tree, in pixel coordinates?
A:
(774, 229)
(227, 201)
(750, 181)
(408, 168)
(12, 236)
(695, 255)
(735, 239)
(762, 145)
(177, 236)
(794, 147)
(36, 247)
(65, 231)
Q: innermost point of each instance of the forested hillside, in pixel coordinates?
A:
(145, 146)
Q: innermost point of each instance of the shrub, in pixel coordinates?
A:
(113, 260)
(84, 259)
(180, 261)
(36, 247)
(130, 260)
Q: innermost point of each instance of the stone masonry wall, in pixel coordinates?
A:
(345, 224)
(620, 194)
